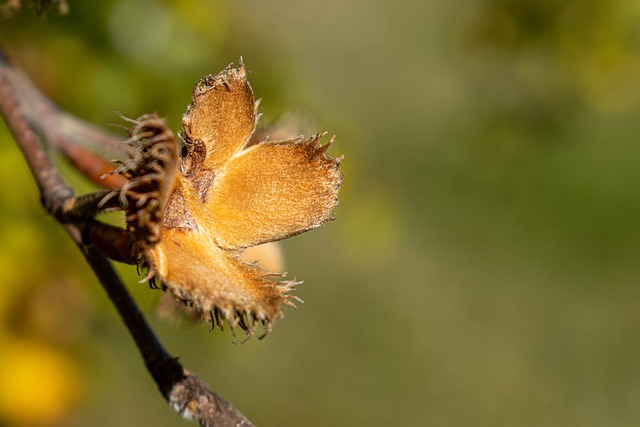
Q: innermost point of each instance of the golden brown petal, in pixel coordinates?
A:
(215, 281)
(222, 116)
(270, 191)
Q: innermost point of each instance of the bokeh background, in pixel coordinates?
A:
(483, 269)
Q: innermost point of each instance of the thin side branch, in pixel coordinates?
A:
(28, 115)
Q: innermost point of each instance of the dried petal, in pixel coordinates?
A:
(271, 191)
(222, 115)
(195, 269)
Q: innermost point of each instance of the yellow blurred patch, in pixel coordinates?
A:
(39, 385)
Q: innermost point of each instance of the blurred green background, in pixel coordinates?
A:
(483, 269)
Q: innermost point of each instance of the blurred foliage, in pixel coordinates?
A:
(483, 266)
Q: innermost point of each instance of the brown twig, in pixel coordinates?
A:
(65, 132)
(27, 114)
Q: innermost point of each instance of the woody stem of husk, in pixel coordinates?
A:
(19, 98)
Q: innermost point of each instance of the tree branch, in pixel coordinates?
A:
(28, 114)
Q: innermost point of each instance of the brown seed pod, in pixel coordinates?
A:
(193, 217)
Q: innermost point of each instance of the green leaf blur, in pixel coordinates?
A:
(483, 269)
